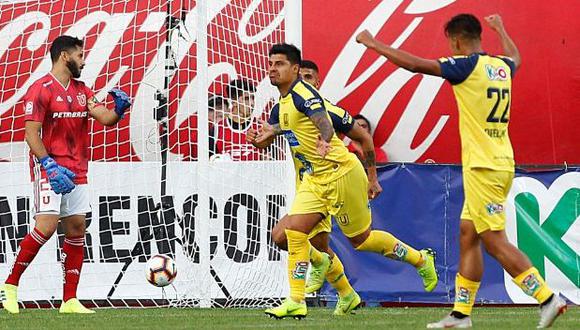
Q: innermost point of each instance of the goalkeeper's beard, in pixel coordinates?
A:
(74, 69)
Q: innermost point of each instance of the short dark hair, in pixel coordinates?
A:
(216, 101)
(464, 25)
(292, 52)
(308, 64)
(239, 86)
(61, 44)
(359, 116)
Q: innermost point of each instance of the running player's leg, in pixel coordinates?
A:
(47, 209)
(353, 215)
(307, 210)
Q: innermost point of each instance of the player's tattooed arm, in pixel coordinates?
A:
(369, 160)
(321, 121)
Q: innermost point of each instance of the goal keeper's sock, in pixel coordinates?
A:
(316, 257)
(29, 247)
(337, 278)
(388, 245)
(532, 283)
(72, 260)
(465, 292)
(298, 260)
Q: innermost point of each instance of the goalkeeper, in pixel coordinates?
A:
(57, 109)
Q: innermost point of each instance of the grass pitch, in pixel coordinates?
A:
(318, 318)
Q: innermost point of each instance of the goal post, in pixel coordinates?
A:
(158, 181)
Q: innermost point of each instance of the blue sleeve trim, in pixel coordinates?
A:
(457, 69)
(274, 115)
(341, 124)
(510, 63)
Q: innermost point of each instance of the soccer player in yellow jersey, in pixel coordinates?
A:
(325, 263)
(334, 181)
(482, 86)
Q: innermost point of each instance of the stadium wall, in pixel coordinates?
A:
(421, 205)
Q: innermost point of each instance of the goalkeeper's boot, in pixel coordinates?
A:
(451, 321)
(317, 274)
(550, 311)
(74, 306)
(427, 271)
(9, 297)
(347, 304)
(288, 308)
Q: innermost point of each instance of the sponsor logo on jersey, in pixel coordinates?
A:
(291, 138)
(82, 98)
(59, 99)
(75, 114)
(28, 108)
(345, 118)
(311, 102)
(494, 73)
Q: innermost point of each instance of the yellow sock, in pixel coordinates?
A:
(298, 259)
(315, 255)
(465, 292)
(337, 278)
(532, 283)
(389, 246)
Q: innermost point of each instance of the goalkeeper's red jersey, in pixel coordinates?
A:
(64, 115)
(231, 140)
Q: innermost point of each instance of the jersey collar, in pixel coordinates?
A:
(292, 87)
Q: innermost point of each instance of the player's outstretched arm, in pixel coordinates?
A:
(104, 115)
(360, 135)
(400, 57)
(509, 47)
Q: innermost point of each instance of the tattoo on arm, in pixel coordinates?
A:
(369, 160)
(323, 124)
(276, 128)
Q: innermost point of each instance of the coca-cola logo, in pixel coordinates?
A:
(125, 47)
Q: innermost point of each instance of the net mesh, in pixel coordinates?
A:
(176, 175)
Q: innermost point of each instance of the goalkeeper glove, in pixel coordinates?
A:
(59, 177)
(122, 101)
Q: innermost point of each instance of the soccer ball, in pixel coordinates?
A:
(160, 270)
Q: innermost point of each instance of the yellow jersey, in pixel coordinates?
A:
(482, 87)
(292, 114)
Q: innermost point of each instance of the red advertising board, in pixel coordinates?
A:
(414, 116)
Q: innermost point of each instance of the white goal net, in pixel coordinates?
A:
(175, 176)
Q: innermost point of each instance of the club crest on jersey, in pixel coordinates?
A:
(494, 208)
(82, 98)
(28, 108)
(494, 73)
